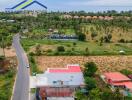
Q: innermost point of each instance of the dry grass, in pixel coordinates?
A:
(105, 63)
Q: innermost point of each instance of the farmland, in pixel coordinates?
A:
(104, 63)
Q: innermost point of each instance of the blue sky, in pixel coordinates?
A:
(76, 5)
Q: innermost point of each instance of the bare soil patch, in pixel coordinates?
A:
(9, 52)
(104, 63)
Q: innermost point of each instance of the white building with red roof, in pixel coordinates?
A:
(59, 82)
(116, 79)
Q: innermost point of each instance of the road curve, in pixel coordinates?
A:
(21, 87)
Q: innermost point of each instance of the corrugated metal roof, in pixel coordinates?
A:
(116, 76)
(60, 79)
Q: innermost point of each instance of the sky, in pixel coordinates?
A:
(76, 5)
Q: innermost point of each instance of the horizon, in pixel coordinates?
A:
(75, 5)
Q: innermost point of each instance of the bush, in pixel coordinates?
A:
(126, 72)
(31, 54)
(60, 49)
(90, 69)
(81, 37)
(74, 43)
(121, 41)
(90, 83)
(49, 50)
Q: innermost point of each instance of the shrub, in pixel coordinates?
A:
(81, 37)
(31, 54)
(60, 49)
(93, 35)
(126, 72)
(90, 83)
(49, 50)
(74, 43)
(90, 69)
(121, 41)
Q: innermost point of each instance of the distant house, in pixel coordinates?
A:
(101, 17)
(82, 17)
(59, 82)
(67, 16)
(88, 17)
(95, 17)
(116, 79)
(76, 17)
(108, 18)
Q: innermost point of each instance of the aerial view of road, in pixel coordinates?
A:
(21, 88)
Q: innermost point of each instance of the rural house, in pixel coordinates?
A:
(59, 82)
(116, 79)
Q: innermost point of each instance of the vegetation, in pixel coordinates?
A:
(6, 84)
(33, 65)
(90, 69)
(126, 72)
(80, 48)
(94, 91)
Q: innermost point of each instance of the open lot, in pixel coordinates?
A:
(79, 48)
(9, 52)
(104, 63)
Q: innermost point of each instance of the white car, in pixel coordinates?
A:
(27, 66)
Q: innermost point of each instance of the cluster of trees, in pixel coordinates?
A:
(53, 20)
(7, 29)
(105, 13)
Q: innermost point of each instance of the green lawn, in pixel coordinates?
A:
(80, 47)
(67, 31)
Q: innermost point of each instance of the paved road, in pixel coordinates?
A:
(21, 88)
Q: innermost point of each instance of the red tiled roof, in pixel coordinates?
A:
(69, 69)
(116, 76)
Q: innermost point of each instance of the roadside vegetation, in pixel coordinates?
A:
(7, 77)
(33, 66)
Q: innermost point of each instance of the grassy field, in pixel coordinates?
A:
(48, 47)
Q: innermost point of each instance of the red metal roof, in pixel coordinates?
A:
(69, 69)
(126, 84)
(56, 92)
(116, 76)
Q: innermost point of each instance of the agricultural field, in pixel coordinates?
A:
(49, 47)
(104, 63)
(116, 32)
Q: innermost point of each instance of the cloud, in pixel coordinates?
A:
(101, 3)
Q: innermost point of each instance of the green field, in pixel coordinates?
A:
(77, 47)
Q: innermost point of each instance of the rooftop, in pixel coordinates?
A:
(116, 76)
(69, 76)
(69, 69)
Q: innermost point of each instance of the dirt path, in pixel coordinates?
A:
(105, 63)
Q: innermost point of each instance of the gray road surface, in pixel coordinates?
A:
(21, 88)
